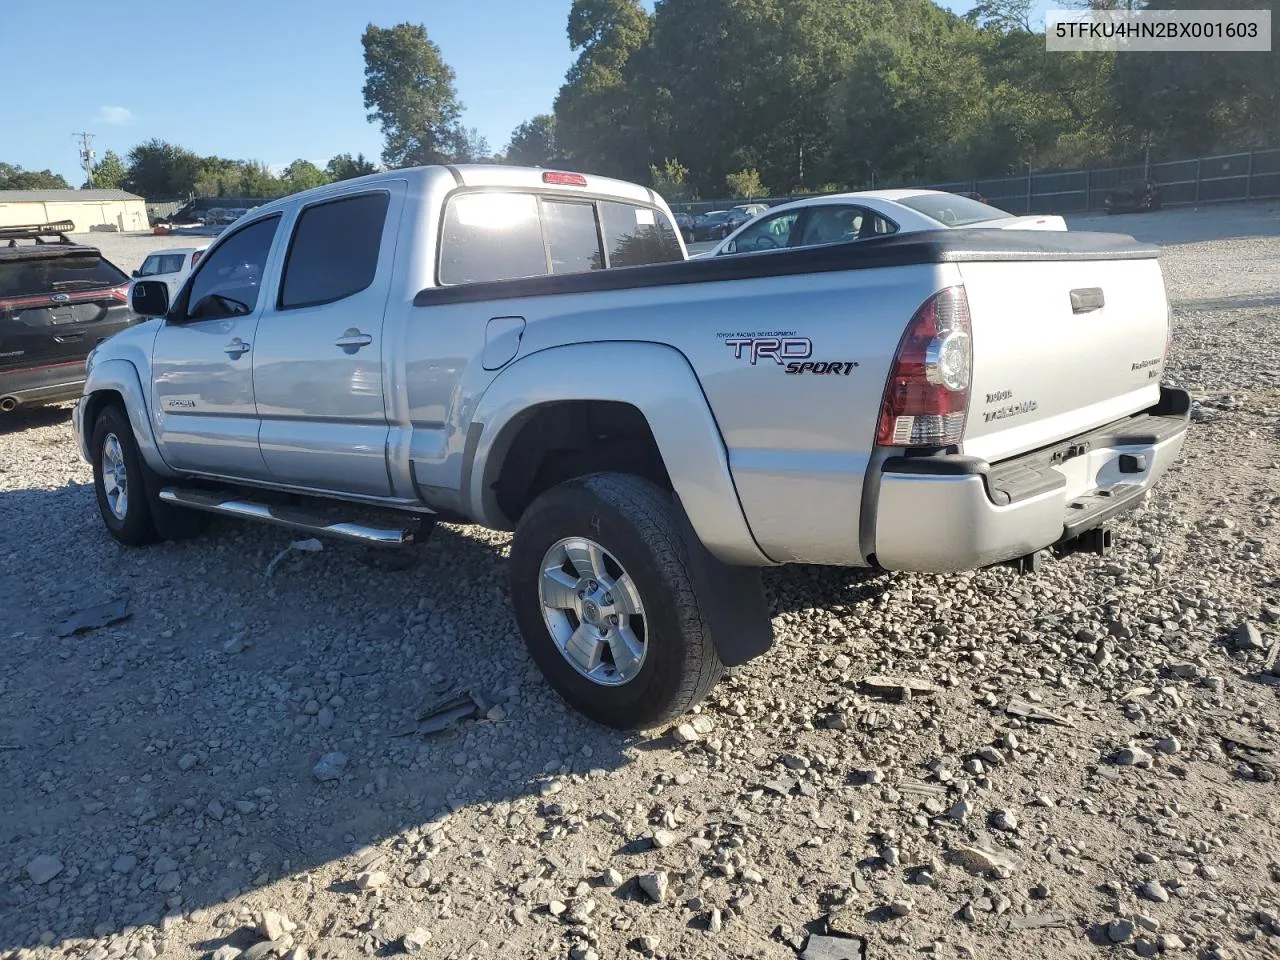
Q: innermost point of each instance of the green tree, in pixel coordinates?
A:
(467, 145)
(746, 84)
(13, 177)
(533, 143)
(108, 173)
(303, 175)
(409, 90)
(158, 170)
(1198, 102)
(257, 180)
(219, 177)
(670, 180)
(745, 184)
(346, 167)
(600, 118)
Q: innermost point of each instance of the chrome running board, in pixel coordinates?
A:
(294, 518)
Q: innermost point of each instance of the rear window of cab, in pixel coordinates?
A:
(508, 235)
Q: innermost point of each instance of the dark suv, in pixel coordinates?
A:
(58, 300)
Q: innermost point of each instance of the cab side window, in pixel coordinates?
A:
(230, 278)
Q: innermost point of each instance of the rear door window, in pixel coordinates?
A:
(832, 225)
(491, 236)
(635, 235)
(334, 252)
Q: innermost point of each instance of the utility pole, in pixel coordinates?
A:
(86, 156)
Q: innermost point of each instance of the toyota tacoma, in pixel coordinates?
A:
(533, 351)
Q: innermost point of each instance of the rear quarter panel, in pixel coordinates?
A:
(798, 444)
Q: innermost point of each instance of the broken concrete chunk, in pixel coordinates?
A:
(91, 618)
(832, 948)
(979, 860)
(898, 686)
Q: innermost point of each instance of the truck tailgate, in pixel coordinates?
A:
(1060, 347)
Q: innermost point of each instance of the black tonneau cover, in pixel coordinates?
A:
(897, 250)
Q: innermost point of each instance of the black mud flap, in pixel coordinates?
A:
(733, 600)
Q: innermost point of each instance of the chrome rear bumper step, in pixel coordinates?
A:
(294, 518)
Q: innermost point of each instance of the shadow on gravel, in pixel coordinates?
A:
(26, 418)
(166, 761)
(799, 587)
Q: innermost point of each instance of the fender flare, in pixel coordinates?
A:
(121, 377)
(658, 381)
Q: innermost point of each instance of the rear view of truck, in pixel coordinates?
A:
(1024, 407)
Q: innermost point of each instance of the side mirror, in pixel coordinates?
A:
(730, 247)
(136, 273)
(150, 298)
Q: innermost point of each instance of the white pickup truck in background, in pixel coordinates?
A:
(531, 350)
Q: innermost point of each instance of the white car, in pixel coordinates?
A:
(172, 265)
(841, 217)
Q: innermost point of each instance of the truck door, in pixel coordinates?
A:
(202, 362)
(319, 359)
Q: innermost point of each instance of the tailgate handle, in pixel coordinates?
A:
(1086, 299)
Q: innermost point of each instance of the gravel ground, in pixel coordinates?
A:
(1084, 766)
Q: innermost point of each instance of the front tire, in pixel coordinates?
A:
(128, 490)
(601, 588)
(117, 480)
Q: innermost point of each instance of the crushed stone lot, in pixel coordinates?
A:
(1076, 763)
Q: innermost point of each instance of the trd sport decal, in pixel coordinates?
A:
(778, 347)
(785, 349)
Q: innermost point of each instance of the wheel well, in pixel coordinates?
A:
(560, 441)
(97, 402)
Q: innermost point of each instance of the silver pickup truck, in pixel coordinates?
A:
(532, 350)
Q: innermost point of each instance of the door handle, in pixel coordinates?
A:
(236, 347)
(352, 340)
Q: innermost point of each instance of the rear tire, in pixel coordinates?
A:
(634, 524)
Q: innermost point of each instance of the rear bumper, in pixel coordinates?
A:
(948, 513)
(55, 383)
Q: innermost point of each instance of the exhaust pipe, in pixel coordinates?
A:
(8, 404)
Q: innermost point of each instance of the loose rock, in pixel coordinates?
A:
(43, 869)
(416, 940)
(655, 885)
(330, 767)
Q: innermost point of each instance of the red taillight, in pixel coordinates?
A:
(120, 293)
(926, 400)
(564, 179)
(195, 257)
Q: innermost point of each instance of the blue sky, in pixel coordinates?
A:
(269, 80)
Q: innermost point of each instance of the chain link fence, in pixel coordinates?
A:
(1251, 175)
